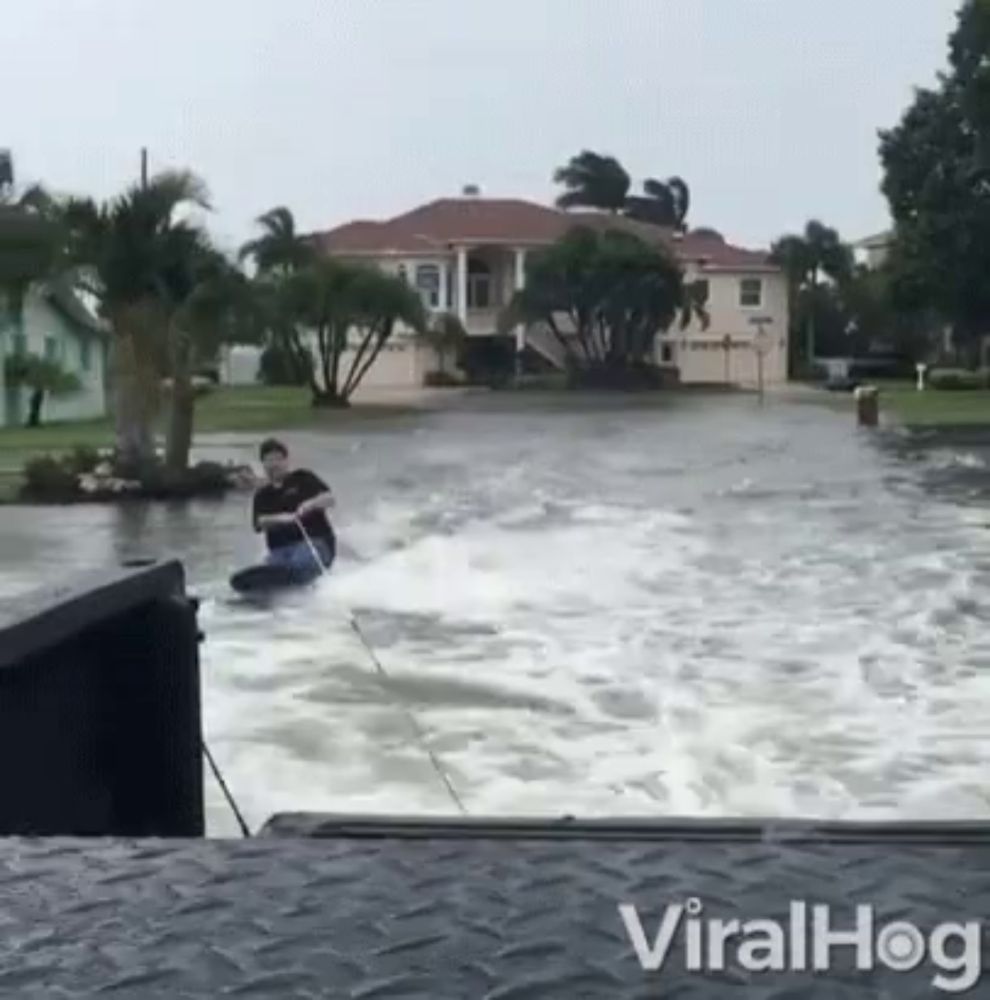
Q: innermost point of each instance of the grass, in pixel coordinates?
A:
(934, 407)
(251, 409)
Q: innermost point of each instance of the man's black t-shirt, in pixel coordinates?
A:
(285, 498)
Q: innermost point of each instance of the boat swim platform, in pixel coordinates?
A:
(108, 886)
(378, 908)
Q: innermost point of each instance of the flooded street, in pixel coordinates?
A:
(699, 607)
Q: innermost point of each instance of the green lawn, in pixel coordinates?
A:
(934, 408)
(253, 409)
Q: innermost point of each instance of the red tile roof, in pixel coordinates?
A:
(438, 225)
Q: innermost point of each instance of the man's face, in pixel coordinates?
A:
(276, 466)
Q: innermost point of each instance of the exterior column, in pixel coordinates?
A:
(444, 287)
(520, 282)
(462, 284)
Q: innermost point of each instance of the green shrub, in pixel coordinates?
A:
(82, 459)
(208, 478)
(488, 361)
(957, 378)
(280, 366)
(203, 479)
(49, 478)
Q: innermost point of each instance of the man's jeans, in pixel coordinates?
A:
(300, 561)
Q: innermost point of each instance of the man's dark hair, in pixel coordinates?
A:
(271, 445)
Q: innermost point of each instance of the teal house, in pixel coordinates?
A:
(60, 327)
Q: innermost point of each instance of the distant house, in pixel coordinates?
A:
(873, 250)
(58, 326)
(468, 255)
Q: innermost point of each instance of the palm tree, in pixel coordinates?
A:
(29, 248)
(128, 252)
(664, 203)
(278, 253)
(593, 181)
(279, 248)
(808, 258)
(211, 303)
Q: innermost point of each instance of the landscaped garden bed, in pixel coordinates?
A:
(88, 475)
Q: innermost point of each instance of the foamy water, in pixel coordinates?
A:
(705, 609)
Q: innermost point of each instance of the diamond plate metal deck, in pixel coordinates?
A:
(371, 910)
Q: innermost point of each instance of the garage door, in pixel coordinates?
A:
(395, 366)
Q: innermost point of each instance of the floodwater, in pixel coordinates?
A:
(704, 607)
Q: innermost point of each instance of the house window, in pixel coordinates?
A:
(751, 293)
(85, 360)
(704, 290)
(666, 354)
(428, 284)
(51, 349)
(479, 285)
(403, 273)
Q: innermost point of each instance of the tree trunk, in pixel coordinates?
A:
(329, 401)
(339, 346)
(350, 384)
(135, 392)
(34, 414)
(812, 305)
(179, 435)
(322, 335)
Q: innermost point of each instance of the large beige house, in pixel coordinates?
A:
(467, 255)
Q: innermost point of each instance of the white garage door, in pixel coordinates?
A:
(396, 366)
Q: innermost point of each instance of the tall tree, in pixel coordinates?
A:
(936, 163)
(278, 253)
(210, 303)
(127, 252)
(663, 203)
(596, 180)
(279, 248)
(808, 259)
(30, 242)
(350, 312)
(605, 296)
(593, 180)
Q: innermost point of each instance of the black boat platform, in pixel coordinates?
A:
(394, 909)
(108, 887)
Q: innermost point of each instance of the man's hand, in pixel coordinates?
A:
(320, 502)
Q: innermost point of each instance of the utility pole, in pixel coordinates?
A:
(6, 170)
(144, 168)
(761, 346)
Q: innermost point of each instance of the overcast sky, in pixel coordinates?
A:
(363, 108)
